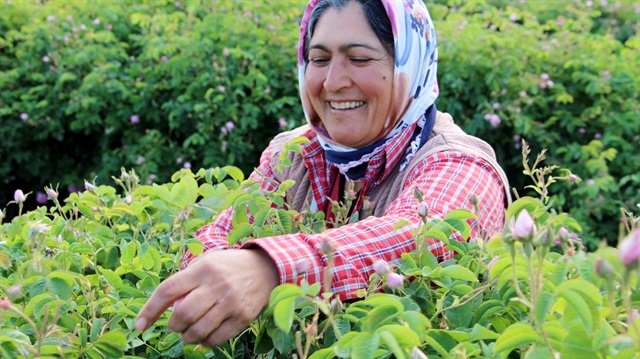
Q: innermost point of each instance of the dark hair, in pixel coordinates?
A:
(373, 10)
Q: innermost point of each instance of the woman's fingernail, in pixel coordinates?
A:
(141, 324)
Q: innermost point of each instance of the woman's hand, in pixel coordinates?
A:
(216, 297)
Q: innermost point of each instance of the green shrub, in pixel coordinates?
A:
(73, 280)
(141, 87)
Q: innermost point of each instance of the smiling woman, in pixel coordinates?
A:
(367, 75)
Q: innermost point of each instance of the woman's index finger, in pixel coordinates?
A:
(164, 296)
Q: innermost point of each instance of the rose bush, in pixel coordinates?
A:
(86, 88)
(73, 278)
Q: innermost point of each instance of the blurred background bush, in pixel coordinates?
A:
(87, 88)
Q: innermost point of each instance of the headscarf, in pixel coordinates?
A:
(415, 88)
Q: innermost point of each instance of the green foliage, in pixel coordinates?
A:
(75, 276)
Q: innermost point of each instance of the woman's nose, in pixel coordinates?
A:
(337, 77)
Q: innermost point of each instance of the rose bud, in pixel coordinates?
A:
(629, 249)
(381, 267)
(395, 280)
(524, 227)
(19, 196)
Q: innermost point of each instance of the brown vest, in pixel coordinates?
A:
(446, 136)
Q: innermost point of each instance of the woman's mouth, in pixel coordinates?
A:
(346, 105)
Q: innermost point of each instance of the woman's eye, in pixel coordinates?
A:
(360, 60)
(319, 60)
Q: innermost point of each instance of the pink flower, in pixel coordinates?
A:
(524, 226)
(45, 59)
(89, 187)
(582, 130)
(187, 165)
(591, 182)
(41, 197)
(96, 21)
(230, 125)
(24, 116)
(513, 17)
(82, 27)
(517, 138)
(127, 199)
(629, 249)
(523, 93)
(550, 83)
(633, 316)
(559, 22)
(487, 116)
(607, 73)
(69, 17)
(496, 105)
(495, 120)
(573, 178)
(5, 304)
(225, 52)
(545, 48)
(282, 122)
(51, 18)
(19, 196)
(395, 280)
(381, 267)
(221, 88)
(267, 90)
(224, 130)
(134, 119)
(423, 210)
(597, 136)
(544, 77)
(493, 261)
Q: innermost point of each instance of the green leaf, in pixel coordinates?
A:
(543, 305)
(234, 172)
(195, 246)
(283, 292)
(515, 336)
(325, 353)
(364, 346)
(379, 316)
(184, 192)
(584, 307)
(238, 233)
(532, 205)
(459, 214)
(283, 313)
(481, 333)
(458, 272)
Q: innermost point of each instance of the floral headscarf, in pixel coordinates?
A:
(415, 88)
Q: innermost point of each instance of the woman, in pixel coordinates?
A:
(367, 75)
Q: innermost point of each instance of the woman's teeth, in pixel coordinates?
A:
(346, 105)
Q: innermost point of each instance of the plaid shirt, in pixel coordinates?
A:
(446, 179)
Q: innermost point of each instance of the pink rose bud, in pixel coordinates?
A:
(573, 178)
(629, 249)
(15, 291)
(604, 269)
(5, 304)
(19, 196)
(423, 210)
(51, 193)
(395, 280)
(89, 187)
(127, 199)
(311, 329)
(381, 267)
(524, 226)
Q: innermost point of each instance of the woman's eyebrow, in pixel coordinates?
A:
(343, 48)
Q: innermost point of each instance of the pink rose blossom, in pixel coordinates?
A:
(524, 226)
(187, 165)
(423, 210)
(629, 249)
(395, 280)
(591, 182)
(495, 120)
(224, 131)
(513, 17)
(41, 198)
(5, 304)
(381, 267)
(523, 94)
(221, 88)
(230, 125)
(606, 73)
(544, 77)
(597, 136)
(225, 52)
(51, 18)
(19, 196)
(134, 119)
(45, 59)
(24, 116)
(96, 21)
(282, 123)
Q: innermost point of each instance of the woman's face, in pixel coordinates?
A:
(349, 77)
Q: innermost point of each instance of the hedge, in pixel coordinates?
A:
(161, 85)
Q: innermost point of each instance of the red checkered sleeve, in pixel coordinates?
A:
(446, 179)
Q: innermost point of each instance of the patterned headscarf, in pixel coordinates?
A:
(415, 88)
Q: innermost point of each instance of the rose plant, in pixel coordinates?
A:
(74, 276)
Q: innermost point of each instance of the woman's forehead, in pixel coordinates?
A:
(345, 28)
